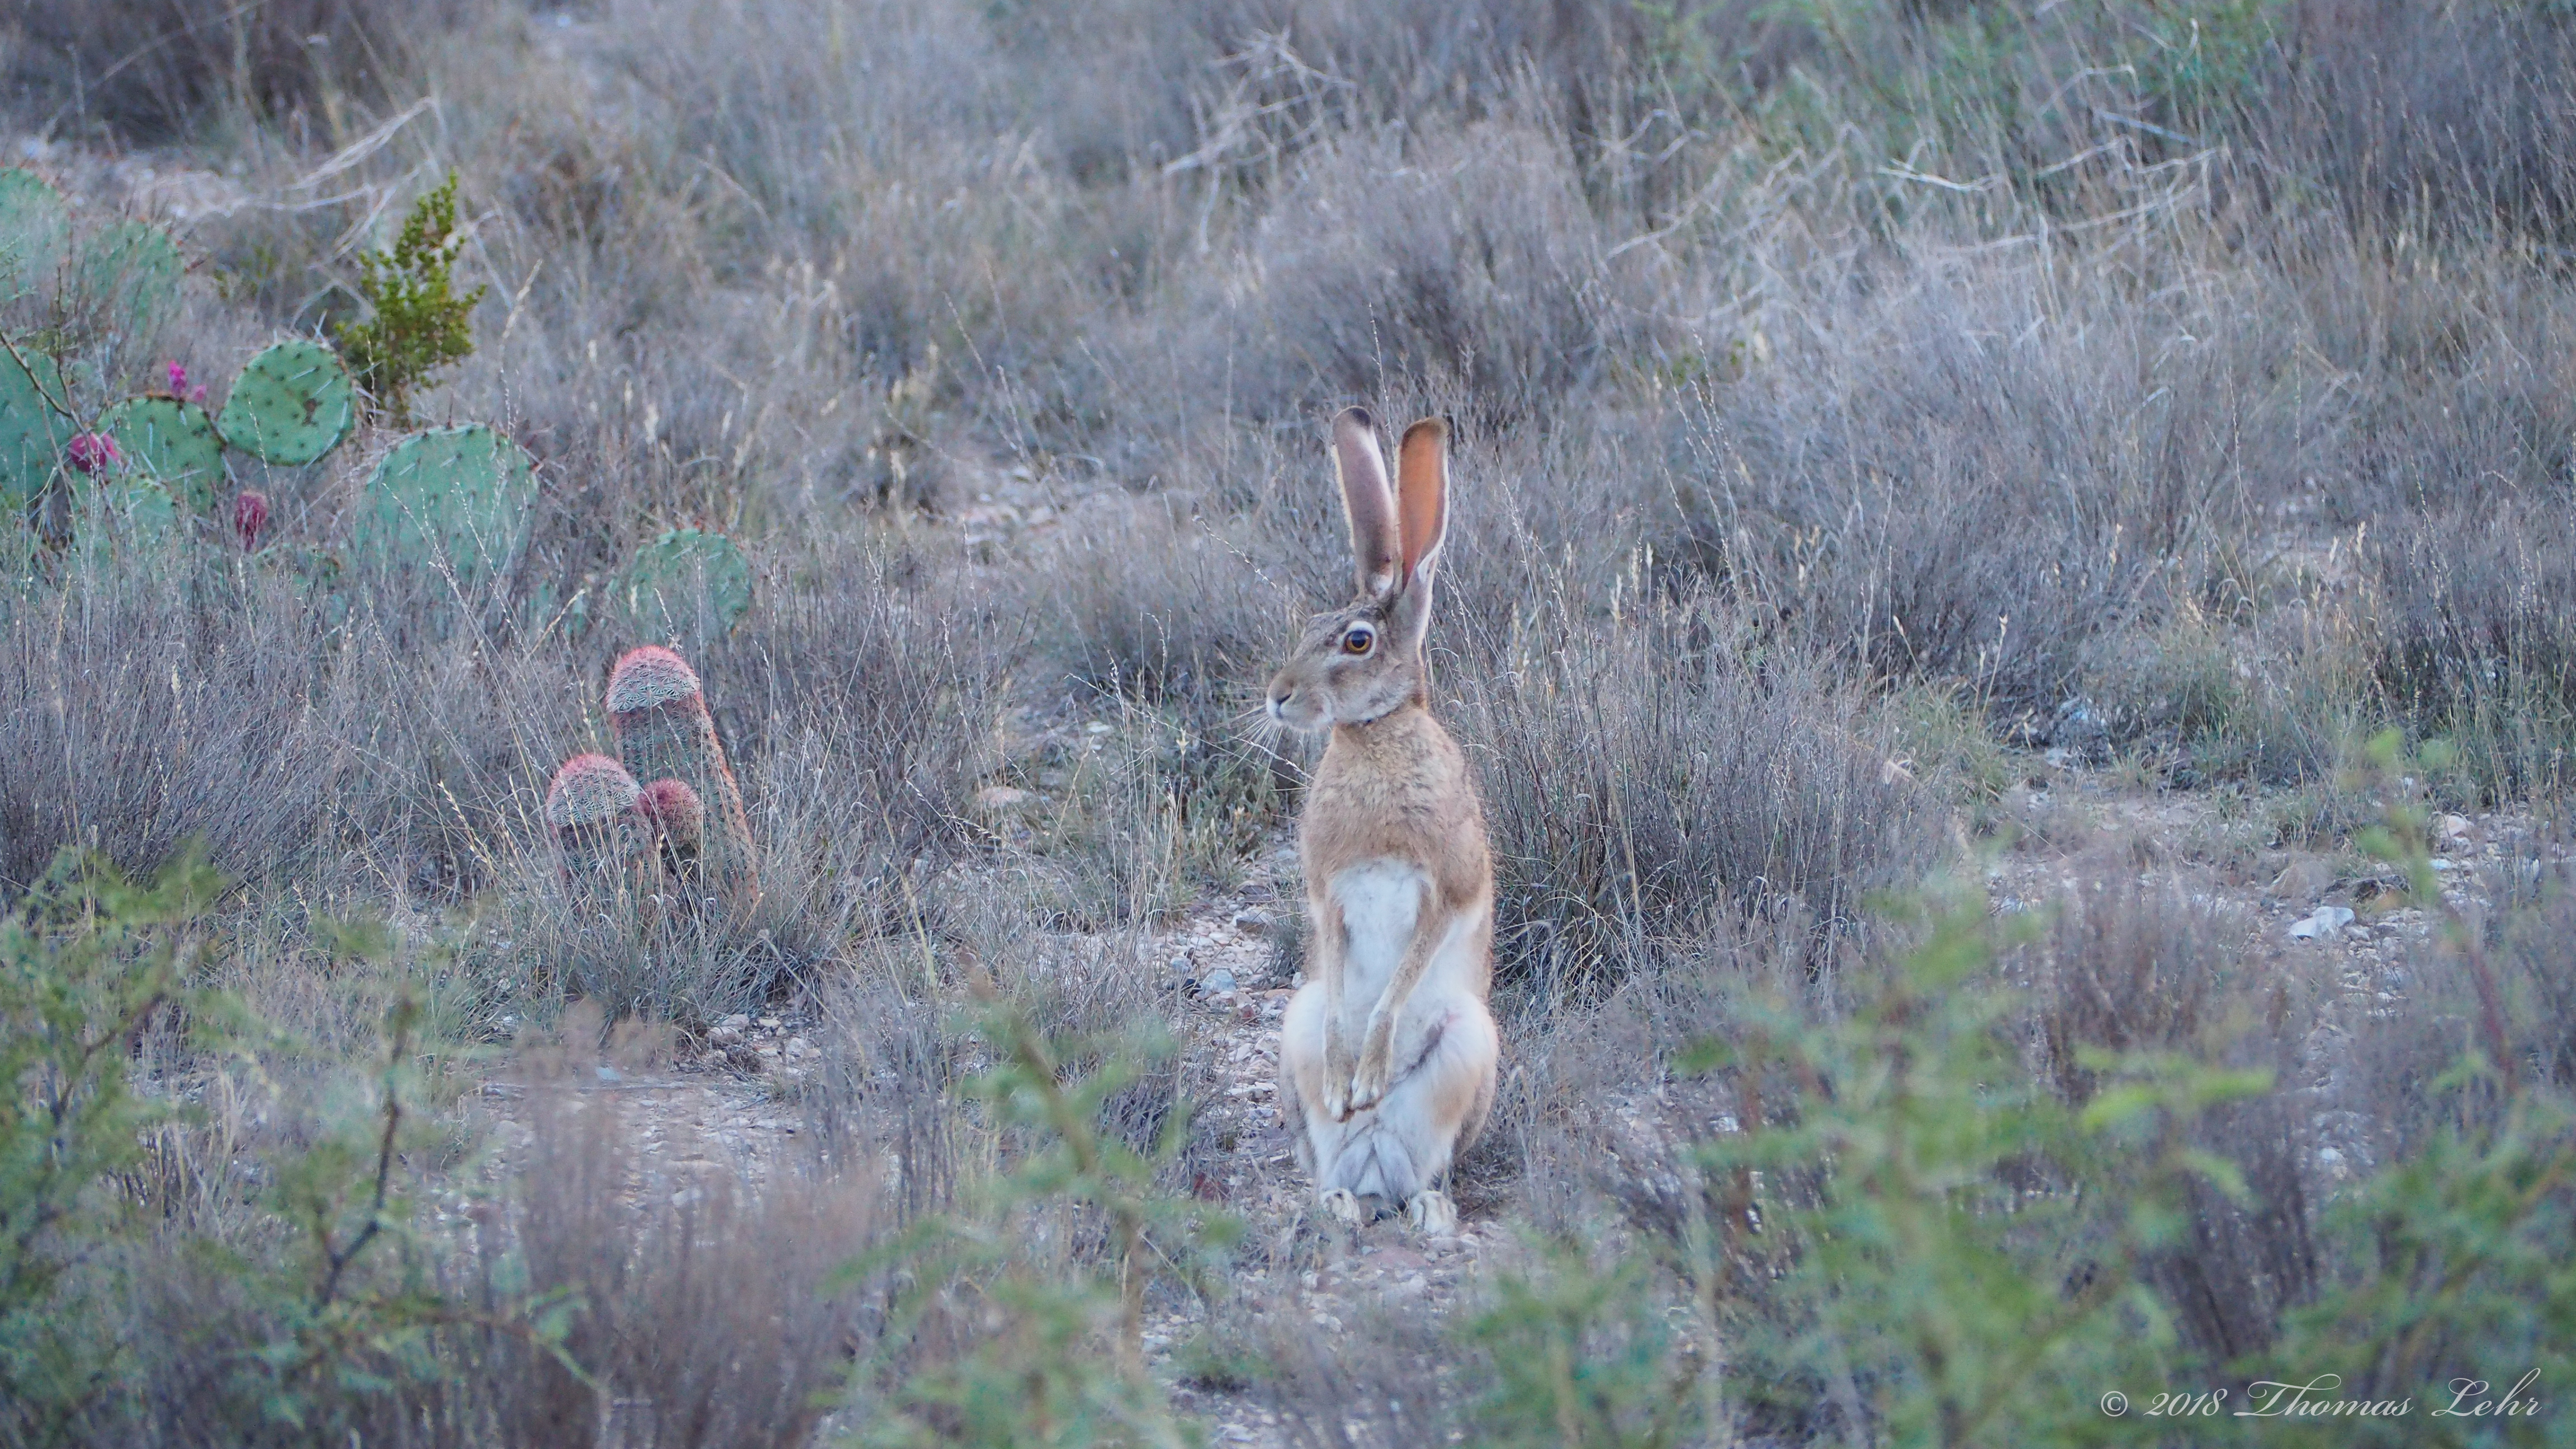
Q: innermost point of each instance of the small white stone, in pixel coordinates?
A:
(2324, 924)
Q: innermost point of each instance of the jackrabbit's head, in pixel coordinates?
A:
(1359, 663)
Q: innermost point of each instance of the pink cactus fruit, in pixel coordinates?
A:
(677, 818)
(590, 808)
(179, 385)
(250, 515)
(92, 453)
(665, 733)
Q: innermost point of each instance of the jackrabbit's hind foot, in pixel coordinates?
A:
(1342, 1205)
(1431, 1211)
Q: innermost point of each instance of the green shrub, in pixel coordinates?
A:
(419, 325)
(88, 962)
(1006, 1333)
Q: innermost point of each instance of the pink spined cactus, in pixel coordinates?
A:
(250, 515)
(179, 387)
(92, 453)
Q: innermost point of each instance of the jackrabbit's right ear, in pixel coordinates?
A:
(1367, 501)
(1422, 493)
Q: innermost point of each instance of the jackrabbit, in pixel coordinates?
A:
(1387, 1055)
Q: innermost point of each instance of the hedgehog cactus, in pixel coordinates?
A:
(677, 819)
(590, 808)
(665, 733)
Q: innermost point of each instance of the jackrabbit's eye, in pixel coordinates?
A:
(1358, 639)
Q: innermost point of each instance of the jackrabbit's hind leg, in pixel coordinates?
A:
(1437, 1104)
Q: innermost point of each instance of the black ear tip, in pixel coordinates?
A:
(1359, 417)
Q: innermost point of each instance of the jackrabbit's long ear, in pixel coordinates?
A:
(1422, 482)
(1366, 501)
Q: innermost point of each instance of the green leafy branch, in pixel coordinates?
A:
(418, 323)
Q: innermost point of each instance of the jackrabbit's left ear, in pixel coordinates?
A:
(1366, 501)
(1422, 494)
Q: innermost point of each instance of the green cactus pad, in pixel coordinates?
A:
(130, 274)
(33, 429)
(173, 442)
(143, 511)
(686, 585)
(34, 226)
(458, 495)
(291, 405)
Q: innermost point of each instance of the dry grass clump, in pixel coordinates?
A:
(1470, 256)
(152, 69)
(1643, 777)
(2476, 617)
(702, 1313)
(2540, 969)
(1955, 484)
(2140, 965)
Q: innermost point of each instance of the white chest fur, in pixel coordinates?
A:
(1380, 901)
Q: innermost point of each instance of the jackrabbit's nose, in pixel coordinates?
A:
(1278, 701)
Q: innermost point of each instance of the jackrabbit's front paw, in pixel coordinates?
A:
(1368, 1084)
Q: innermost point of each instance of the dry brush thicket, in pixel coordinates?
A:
(1853, 402)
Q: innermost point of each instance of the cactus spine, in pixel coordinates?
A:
(665, 732)
(590, 810)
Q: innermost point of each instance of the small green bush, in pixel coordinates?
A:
(419, 324)
(88, 962)
(1044, 1347)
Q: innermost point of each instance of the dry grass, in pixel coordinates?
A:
(1840, 398)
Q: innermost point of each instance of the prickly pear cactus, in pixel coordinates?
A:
(173, 443)
(291, 404)
(34, 429)
(35, 226)
(457, 497)
(686, 586)
(128, 280)
(590, 810)
(665, 732)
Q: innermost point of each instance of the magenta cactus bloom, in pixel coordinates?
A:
(92, 453)
(179, 385)
(250, 515)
